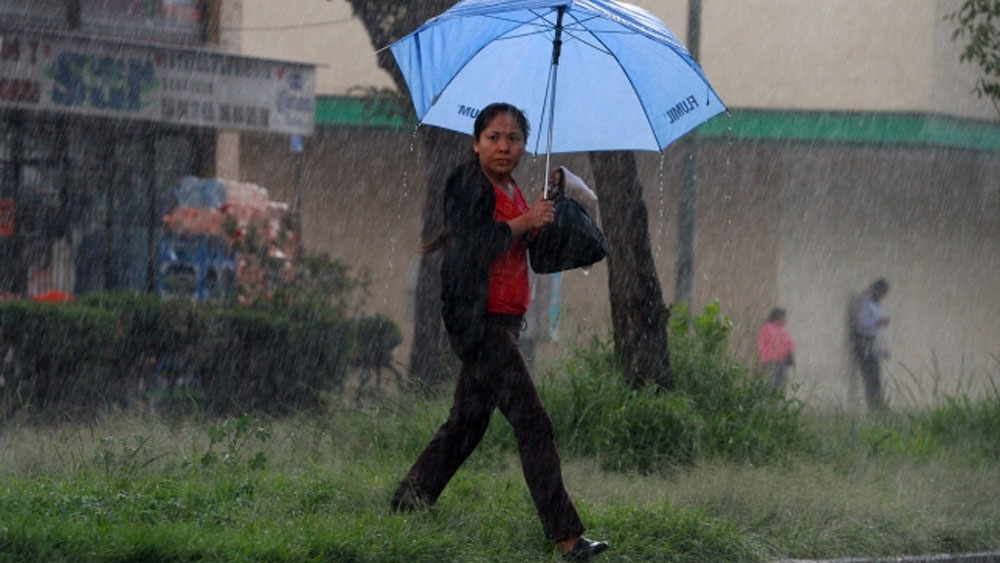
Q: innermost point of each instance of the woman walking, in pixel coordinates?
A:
(485, 294)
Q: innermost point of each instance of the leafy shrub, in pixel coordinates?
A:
(318, 279)
(744, 417)
(716, 409)
(41, 344)
(278, 352)
(652, 430)
(118, 348)
(248, 347)
(154, 336)
(235, 435)
(377, 336)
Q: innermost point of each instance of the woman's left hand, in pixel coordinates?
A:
(557, 182)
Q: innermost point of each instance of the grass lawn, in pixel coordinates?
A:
(721, 468)
(133, 487)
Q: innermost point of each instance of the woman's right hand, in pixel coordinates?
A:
(541, 213)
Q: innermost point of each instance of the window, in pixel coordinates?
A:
(44, 14)
(162, 20)
(170, 21)
(82, 201)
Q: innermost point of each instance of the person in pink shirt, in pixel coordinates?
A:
(775, 347)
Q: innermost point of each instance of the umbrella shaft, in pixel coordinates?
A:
(557, 41)
(556, 51)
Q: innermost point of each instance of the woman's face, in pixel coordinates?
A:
(500, 146)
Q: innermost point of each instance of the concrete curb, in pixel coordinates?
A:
(982, 557)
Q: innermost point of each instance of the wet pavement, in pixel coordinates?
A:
(981, 557)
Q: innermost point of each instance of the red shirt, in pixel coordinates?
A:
(774, 344)
(509, 291)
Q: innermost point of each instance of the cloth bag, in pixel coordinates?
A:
(572, 240)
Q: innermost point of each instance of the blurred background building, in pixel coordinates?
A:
(104, 106)
(854, 149)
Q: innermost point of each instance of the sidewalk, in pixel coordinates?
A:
(982, 557)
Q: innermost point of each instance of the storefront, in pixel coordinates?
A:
(96, 133)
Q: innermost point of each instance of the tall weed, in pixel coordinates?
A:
(717, 408)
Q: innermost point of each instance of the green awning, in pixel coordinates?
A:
(801, 126)
(364, 112)
(881, 128)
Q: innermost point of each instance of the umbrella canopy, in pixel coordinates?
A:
(625, 82)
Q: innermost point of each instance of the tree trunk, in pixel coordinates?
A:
(431, 360)
(638, 313)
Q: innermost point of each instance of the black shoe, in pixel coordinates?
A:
(584, 549)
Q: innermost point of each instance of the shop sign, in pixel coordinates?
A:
(155, 83)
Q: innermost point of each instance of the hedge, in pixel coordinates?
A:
(119, 349)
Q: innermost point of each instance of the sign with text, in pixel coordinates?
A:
(154, 83)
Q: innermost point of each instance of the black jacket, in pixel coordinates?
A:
(473, 239)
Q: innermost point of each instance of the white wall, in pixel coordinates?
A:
(923, 220)
(856, 55)
(322, 32)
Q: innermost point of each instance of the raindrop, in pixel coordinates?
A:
(660, 180)
(413, 136)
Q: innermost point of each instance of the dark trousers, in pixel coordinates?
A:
(868, 362)
(495, 376)
(779, 373)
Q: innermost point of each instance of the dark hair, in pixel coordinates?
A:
(775, 314)
(487, 114)
(879, 288)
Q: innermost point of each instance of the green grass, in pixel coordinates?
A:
(321, 498)
(720, 469)
(134, 487)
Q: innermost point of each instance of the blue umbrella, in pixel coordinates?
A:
(625, 81)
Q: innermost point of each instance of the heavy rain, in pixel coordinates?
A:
(230, 265)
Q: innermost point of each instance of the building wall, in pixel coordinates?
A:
(362, 193)
(826, 219)
(839, 54)
(926, 219)
(797, 225)
(91, 151)
(316, 31)
(84, 179)
(889, 55)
